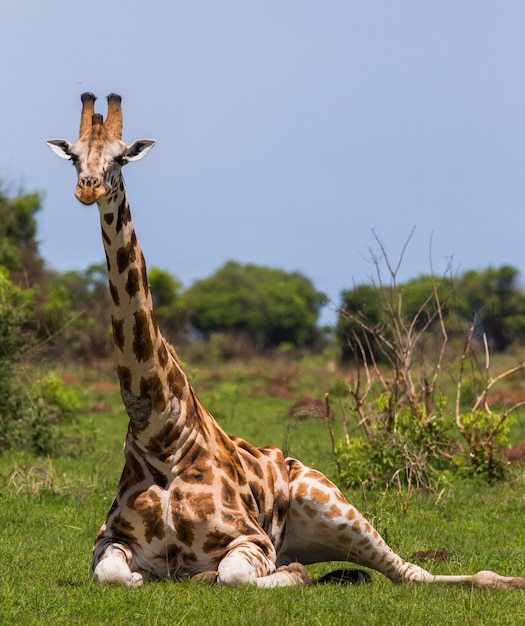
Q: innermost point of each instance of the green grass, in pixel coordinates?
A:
(51, 509)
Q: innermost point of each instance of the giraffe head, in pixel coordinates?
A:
(99, 152)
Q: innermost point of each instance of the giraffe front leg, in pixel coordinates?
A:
(248, 564)
(111, 567)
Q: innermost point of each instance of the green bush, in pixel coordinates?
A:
(30, 412)
(398, 336)
(409, 446)
(269, 306)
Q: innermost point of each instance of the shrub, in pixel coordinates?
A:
(30, 413)
(404, 428)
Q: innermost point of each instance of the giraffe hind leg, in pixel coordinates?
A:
(323, 526)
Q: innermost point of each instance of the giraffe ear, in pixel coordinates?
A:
(137, 150)
(60, 147)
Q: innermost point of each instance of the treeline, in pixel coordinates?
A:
(489, 305)
(241, 309)
(397, 420)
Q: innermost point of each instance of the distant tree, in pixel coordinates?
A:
(420, 297)
(18, 242)
(75, 314)
(76, 311)
(367, 312)
(490, 300)
(270, 306)
(170, 306)
(15, 310)
(494, 302)
(360, 318)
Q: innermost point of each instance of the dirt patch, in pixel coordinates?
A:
(100, 407)
(104, 387)
(69, 379)
(507, 397)
(307, 406)
(431, 555)
(516, 454)
(274, 390)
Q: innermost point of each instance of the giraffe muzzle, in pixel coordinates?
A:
(89, 189)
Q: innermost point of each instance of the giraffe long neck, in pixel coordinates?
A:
(150, 377)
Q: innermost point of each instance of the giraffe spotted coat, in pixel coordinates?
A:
(192, 501)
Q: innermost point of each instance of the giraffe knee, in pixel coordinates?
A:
(235, 571)
(112, 571)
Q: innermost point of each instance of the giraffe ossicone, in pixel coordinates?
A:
(192, 501)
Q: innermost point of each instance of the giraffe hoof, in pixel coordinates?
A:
(495, 581)
(298, 572)
(206, 577)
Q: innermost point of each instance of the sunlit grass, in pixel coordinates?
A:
(51, 509)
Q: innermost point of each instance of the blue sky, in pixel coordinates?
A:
(287, 132)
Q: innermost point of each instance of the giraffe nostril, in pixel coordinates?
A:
(89, 181)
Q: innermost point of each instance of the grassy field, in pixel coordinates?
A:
(51, 509)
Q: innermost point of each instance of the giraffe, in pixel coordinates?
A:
(193, 501)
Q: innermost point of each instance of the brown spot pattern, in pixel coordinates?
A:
(319, 496)
(153, 389)
(124, 215)
(114, 294)
(142, 340)
(176, 380)
(144, 272)
(311, 512)
(133, 474)
(228, 494)
(333, 512)
(198, 467)
(216, 540)
(132, 282)
(258, 493)
(157, 477)
(172, 557)
(301, 492)
(118, 332)
(183, 527)
(124, 375)
(127, 254)
(161, 445)
(201, 504)
(122, 529)
(148, 505)
(106, 238)
(162, 355)
(252, 464)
